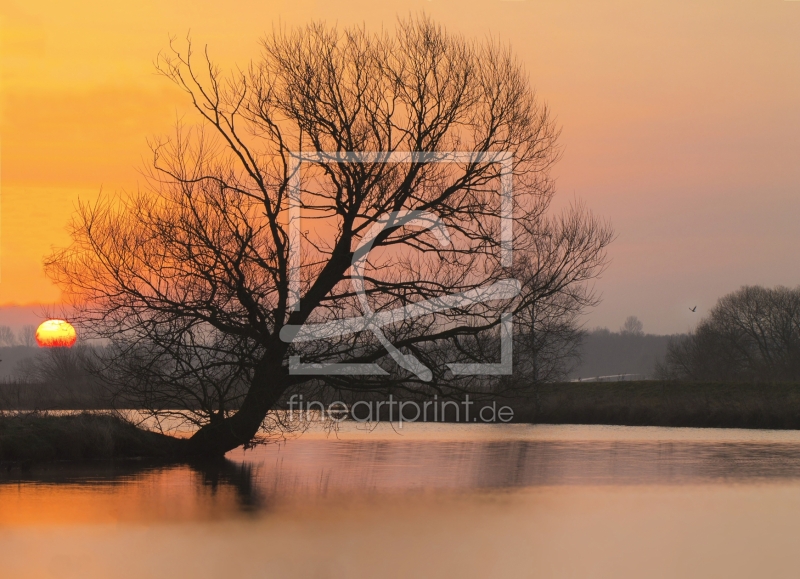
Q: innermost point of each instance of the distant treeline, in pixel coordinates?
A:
(750, 335)
(32, 378)
(650, 403)
(631, 353)
(13, 360)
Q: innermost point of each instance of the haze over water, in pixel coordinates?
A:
(430, 500)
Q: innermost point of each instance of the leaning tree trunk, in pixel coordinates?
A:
(270, 381)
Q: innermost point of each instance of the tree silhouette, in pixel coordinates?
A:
(194, 282)
(750, 335)
(632, 326)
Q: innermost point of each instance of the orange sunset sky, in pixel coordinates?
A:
(681, 124)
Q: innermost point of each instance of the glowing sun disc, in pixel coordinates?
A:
(55, 334)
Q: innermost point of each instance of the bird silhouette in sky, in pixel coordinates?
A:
(694, 309)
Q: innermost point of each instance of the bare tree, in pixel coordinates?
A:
(202, 256)
(7, 337)
(67, 367)
(193, 375)
(548, 343)
(751, 335)
(27, 336)
(567, 253)
(632, 326)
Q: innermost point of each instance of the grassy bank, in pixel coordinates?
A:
(634, 403)
(653, 403)
(85, 436)
(36, 437)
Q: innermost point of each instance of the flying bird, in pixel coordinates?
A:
(694, 309)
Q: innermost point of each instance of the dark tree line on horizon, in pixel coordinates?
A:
(750, 335)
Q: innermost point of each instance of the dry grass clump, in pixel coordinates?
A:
(84, 436)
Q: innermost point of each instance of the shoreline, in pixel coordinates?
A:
(92, 435)
(662, 403)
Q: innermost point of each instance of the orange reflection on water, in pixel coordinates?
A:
(175, 494)
(477, 502)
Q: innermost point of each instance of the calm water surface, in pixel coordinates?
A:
(430, 500)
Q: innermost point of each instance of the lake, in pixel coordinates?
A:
(427, 500)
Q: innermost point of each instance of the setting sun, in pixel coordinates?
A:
(55, 334)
